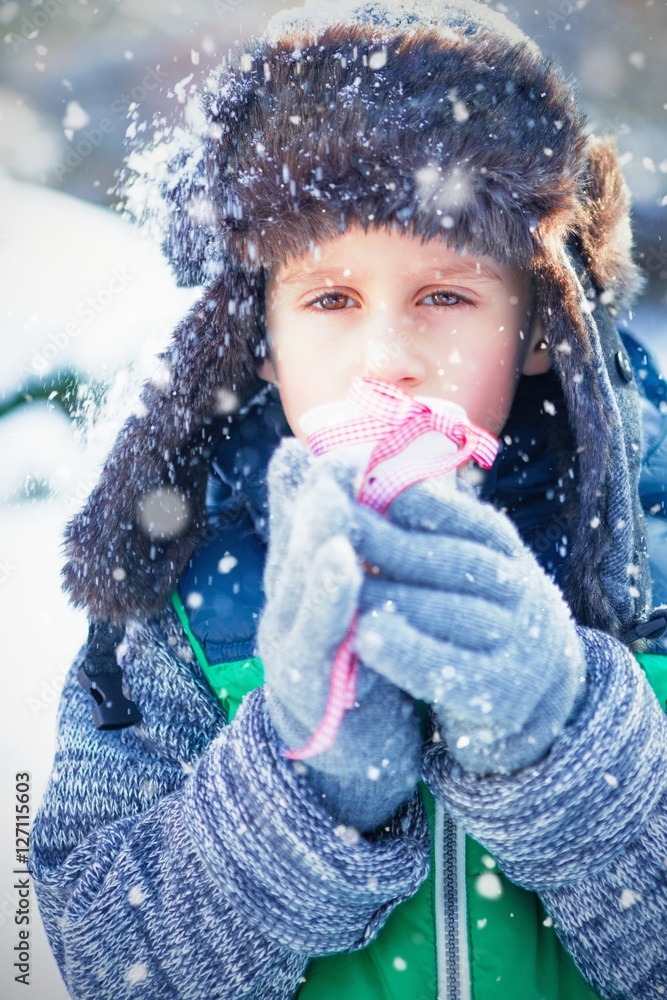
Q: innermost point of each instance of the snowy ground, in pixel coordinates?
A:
(88, 272)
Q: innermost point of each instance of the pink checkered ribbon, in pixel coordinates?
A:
(393, 419)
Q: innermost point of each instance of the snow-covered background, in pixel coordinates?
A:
(86, 302)
(87, 297)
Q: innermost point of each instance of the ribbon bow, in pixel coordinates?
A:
(393, 419)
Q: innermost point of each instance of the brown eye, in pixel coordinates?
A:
(444, 298)
(335, 298)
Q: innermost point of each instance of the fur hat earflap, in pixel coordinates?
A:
(130, 543)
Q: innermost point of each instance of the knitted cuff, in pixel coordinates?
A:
(608, 922)
(571, 813)
(282, 861)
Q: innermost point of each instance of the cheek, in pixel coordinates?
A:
(302, 381)
(313, 364)
(488, 381)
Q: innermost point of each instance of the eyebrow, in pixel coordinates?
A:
(461, 268)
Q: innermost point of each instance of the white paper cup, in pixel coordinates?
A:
(428, 445)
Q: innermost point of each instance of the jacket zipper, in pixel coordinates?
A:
(451, 921)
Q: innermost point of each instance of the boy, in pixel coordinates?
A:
(433, 167)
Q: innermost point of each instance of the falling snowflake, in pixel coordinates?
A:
(75, 116)
(628, 898)
(164, 513)
(136, 896)
(227, 563)
(161, 374)
(348, 834)
(488, 886)
(378, 59)
(461, 113)
(445, 190)
(137, 973)
(148, 789)
(226, 401)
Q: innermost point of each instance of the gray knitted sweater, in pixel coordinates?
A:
(186, 858)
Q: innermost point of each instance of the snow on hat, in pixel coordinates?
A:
(440, 119)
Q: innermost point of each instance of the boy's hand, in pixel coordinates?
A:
(465, 618)
(312, 580)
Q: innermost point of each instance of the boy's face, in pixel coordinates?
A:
(428, 319)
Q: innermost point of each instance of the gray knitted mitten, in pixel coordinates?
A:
(312, 581)
(465, 618)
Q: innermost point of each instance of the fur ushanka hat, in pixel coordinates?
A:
(443, 120)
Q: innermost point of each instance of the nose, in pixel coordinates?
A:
(392, 353)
